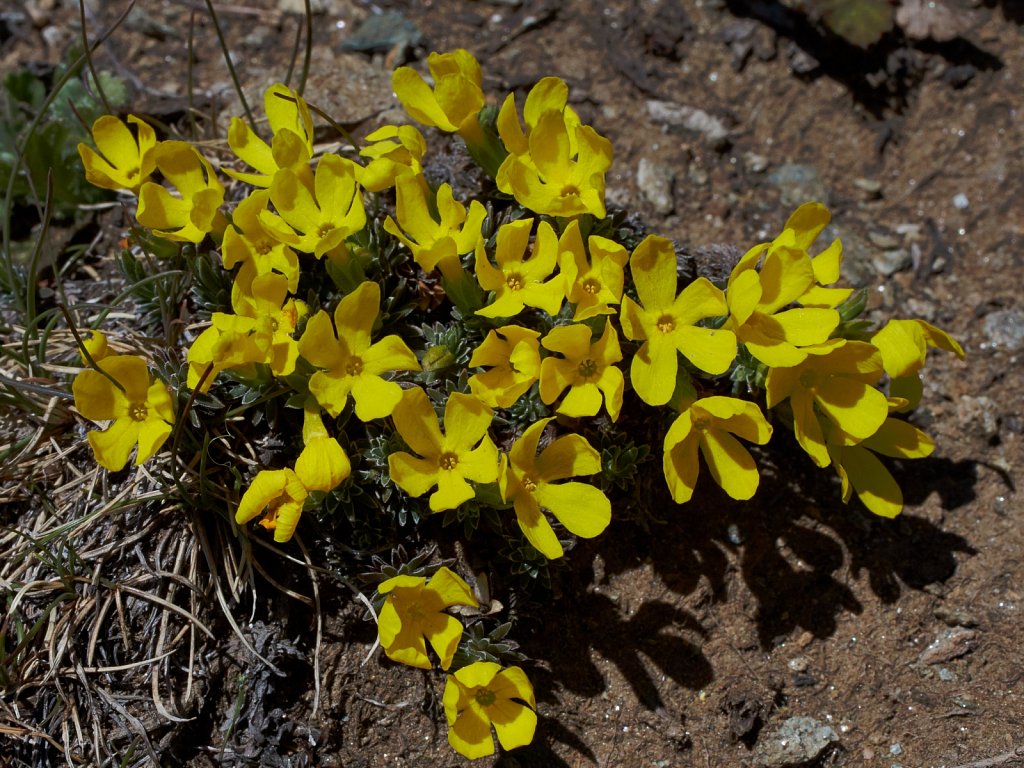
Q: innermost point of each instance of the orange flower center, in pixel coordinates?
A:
(587, 368)
(138, 411)
(591, 286)
(666, 323)
(529, 484)
(514, 281)
(354, 366)
(448, 460)
(484, 697)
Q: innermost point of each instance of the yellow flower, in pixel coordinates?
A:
(464, 452)
(800, 231)
(521, 280)
(666, 323)
(528, 481)
(413, 614)
(588, 369)
(352, 365)
(592, 287)
(482, 694)
(904, 345)
(433, 241)
(557, 166)
(836, 379)
(260, 331)
(394, 151)
(123, 161)
(513, 355)
(456, 98)
(142, 413)
(257, 249)
(321, 466)
(709, 425)
(96, 345)
(195, 212)
(758, 297)
(861, 471)
(292, 142)
(316, 219)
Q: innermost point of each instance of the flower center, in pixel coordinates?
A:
(701, 423)
(591, 286)
(587, 368)
(354, 366)
(514, 281)
(263, 247)
(448, 460)
(131, 173)
(808, 379)
(485, 697)
(323, 229)
(666, 323)
(138, 411)
(274, 324)
(529, 484)
(570, 189)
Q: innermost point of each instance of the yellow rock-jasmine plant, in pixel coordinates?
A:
(482, 695)
(836, 379)
(279, 494)
(141, 410)
(587, 368)
(511, 355)
(708, 426)
(521, 279)
(448, 461)
(124, 161)
(195, 211)
(413, 615)
(592, 287)
(530, 482)
(350, 364)
(667, 323)
(291, 145)
(316, 218)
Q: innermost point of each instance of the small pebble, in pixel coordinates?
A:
(946, 675)
(896, 749)
(960, 201)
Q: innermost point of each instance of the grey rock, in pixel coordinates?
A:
(799, 183)
(978, 415)
(316, 6)
(1005, 329)
(891, 261)
(383, 31)
(799, 741)
(755, 163)
(690, 118)
(950, 644)
(654, 179)
(960, 201)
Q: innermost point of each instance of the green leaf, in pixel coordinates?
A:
(860, 22)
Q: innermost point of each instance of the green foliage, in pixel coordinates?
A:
(52, 147)
(860, 22)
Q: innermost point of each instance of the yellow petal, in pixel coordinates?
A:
(322, 465)
(112, 446)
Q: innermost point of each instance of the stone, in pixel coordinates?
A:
(798, 741)
(951, 644)
(654, 181)
(1005, 329)
(799, 183)
(978, 415)
(892, 260)
(689, 118)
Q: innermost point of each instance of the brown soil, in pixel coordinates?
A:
(683, 636)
